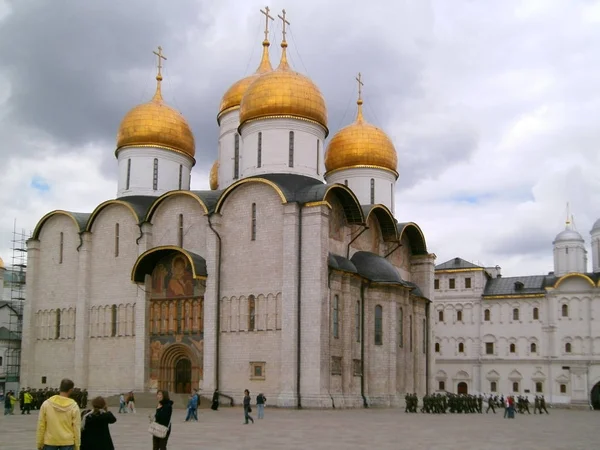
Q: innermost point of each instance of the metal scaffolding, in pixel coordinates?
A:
(16, 283)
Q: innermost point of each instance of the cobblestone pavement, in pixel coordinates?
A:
(342, 429)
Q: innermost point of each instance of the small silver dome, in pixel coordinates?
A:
(568, 235)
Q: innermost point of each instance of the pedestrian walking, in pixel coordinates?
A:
(247, 408)
(59, 422)
(162, 416)
(131, 402)
(8, 402)
(122, 404)
(27, 401)
(260, 405)
(95, 434)
(192, 408)
(215, 401)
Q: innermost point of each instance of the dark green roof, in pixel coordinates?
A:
(457, 263)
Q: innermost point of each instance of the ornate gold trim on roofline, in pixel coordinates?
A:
(474, 269)
(492, 297)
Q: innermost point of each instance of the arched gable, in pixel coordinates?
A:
(244, 181)
(103, 205)
(79, 220)
(415, 237)
(170, 194)
(387, 223)
(147, 261)
(352, 209)
(573, 275)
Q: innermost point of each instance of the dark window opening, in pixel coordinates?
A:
(259, 150)
(236, 157)
(378, 325)
(452, 283)
(291, 150)
(155, 175)
(253, 230)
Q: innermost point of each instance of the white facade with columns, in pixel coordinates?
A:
(152, 171)
(229, 138)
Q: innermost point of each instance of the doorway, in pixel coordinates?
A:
(595, 397)
(462, 388)
(183, 376)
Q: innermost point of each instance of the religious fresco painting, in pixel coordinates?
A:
(176, 326)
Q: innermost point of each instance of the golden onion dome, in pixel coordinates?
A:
(1, 264)
(214, 176)
(283, 93)
(233, 97)
(361, 144)
(155, 124)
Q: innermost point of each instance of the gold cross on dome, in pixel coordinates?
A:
(267, 17)
(360, 85)
(285, 22)
(160, 56)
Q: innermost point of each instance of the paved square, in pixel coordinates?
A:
(342, 429)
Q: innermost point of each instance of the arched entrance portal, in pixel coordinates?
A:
(462, 388)
(179, 370)
(595, 397)
(183, 376)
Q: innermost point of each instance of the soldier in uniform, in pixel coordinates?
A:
(543, 404)
(491, 404)
(84, 399)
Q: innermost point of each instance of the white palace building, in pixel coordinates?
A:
(291, 276)
(522, 335)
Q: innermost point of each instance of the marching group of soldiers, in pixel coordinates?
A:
(469, 404)
(41, 395)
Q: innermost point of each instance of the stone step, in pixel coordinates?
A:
(148, 400)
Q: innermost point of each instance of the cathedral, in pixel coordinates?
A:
(291, 276)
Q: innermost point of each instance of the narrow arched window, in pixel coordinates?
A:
(251, 312)
(57, 325)
(513, 348)
(391, 194)
(533, 348)
(440, 316)
(336, 317)
(357, 319)
(318, 157)
(486, 315)
(128, 181)
(259, 150)
(291, 150)
(253, 225)
(372, 191)
(155, 175)
(515, 386)
(536, 314)
(346, 182)
(437, 347)
(539, 387)
(461, 347)
(459, 316)
(378, 325)
(568, 347)
(516, 314)
(180, 176)
(61, 247)
(116, 240)
(236, 157)
(180, 231)
(113, 320)
(565, 310)
(401, 328)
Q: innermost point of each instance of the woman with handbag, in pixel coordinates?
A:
(247, 408)
(161, 427)
(95, 434)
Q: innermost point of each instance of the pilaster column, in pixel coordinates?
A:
(28, 337)
(289, 308)
(142, 351)
(315, 332)
(212, 307)
(82, 312)
(392, 342)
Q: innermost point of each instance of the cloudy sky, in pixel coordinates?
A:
(493, 105)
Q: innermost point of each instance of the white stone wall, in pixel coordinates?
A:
(141, 176)
(595, 251)
(165, 223)
(308, 148)
(569, 257)
(251, 267)
(359, 180)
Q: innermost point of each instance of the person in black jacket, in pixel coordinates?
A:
(247, 408)
(164, 410)
(95, 434)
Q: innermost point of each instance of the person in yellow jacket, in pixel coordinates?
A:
(59, 422)
(27, 399)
